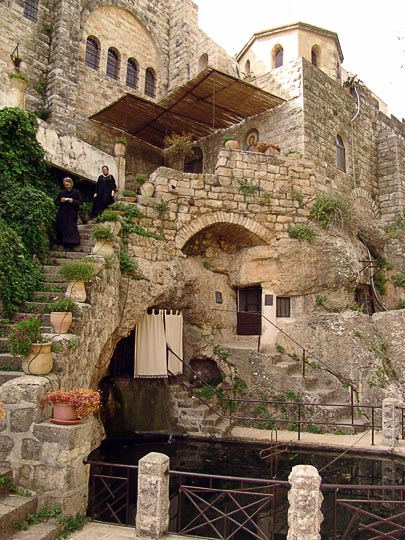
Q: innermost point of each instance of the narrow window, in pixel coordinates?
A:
(340, 154)
(92, 53)
(31, 9)
(150, 83)
(132, 73)
(278, 57)
(314, 57)
(283, 306)
(247, 68)
(113, 64)
(202, 62)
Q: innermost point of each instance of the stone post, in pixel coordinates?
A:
(152, 516)
(120, 150)
(390, 422)
(305, 498)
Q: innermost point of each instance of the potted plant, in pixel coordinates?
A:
(112, 219)
(70, 406)
(178, 146)
(118, 207)
(25, 340)
(230, 142)
(104, 236)
(351, 82)
(120, 146)
(128, 195)
(77, 273)
(132, 214)
(61, 313)
(138, 181)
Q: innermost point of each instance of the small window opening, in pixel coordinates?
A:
(283, 306)
(150, 83)
(113, 64)
(92, 59)
(278, 57)
(340, 154)
(132, 73)
(31, 10)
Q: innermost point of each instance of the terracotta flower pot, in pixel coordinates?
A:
(61, 321)
(232, 145)
(76, 290)
(103, 248)
(64, 413)
(39, 360)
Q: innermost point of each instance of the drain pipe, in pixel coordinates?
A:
(379, 302)
(351, 122)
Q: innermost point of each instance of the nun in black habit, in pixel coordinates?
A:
(105, 191)
(68, 201)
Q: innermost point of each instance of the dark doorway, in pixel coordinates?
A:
(194, 162)
(122, 361)
(249, 319)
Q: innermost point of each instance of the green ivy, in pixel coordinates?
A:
(19, 274)
(31, 213)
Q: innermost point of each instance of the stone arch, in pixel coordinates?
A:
(359, 194)
(191, 229)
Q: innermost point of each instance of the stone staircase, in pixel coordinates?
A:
(195, 417)
(53, 286)
(17, 507)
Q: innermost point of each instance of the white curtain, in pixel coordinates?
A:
(153, 331)
(150, 346)
(174, 338)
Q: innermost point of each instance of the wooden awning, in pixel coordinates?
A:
(213, 100)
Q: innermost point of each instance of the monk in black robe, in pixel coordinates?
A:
(105, 191)
(68, 200)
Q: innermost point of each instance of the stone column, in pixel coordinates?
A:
(152, 516)
(120, 150)
(305, 498)
(390, 422)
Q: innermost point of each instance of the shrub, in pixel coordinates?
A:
(133, 211)
(77, 271)
(23, 334)
(102, 232)
(301, 231)
(128, 193)
(108, 215)
(119, 205)
(66, 303)
(128, 264)
(331, 209)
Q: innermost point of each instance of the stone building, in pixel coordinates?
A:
(104, 70)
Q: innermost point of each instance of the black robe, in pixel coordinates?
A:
(105, 185)
(66, 219)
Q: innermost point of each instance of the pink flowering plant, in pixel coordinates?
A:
(65, 303)
(85, 400)
(23, 334)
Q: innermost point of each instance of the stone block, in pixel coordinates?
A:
(30, 450)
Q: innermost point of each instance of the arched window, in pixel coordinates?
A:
(150, 83)
(278, 57)
(315, 57)
(202, 62)
(340, 154)
(113, 64)
(132, 73)
(31, 9)
(247, 68)
(92, 53)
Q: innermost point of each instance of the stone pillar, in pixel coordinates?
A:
(305, 498)
(152, 516)
(390, 422)
(120, 150)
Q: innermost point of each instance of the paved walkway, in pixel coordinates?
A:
(360, 442)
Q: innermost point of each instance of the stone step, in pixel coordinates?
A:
(62, 257)
(9, 362)
(10, 375)
(39, 531)
(14, 507)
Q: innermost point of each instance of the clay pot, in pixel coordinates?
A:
(39, 360)
(147, 189)
(61, 321)
(76, 290)
(232, 145)
(64, 413)
(103, 248)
